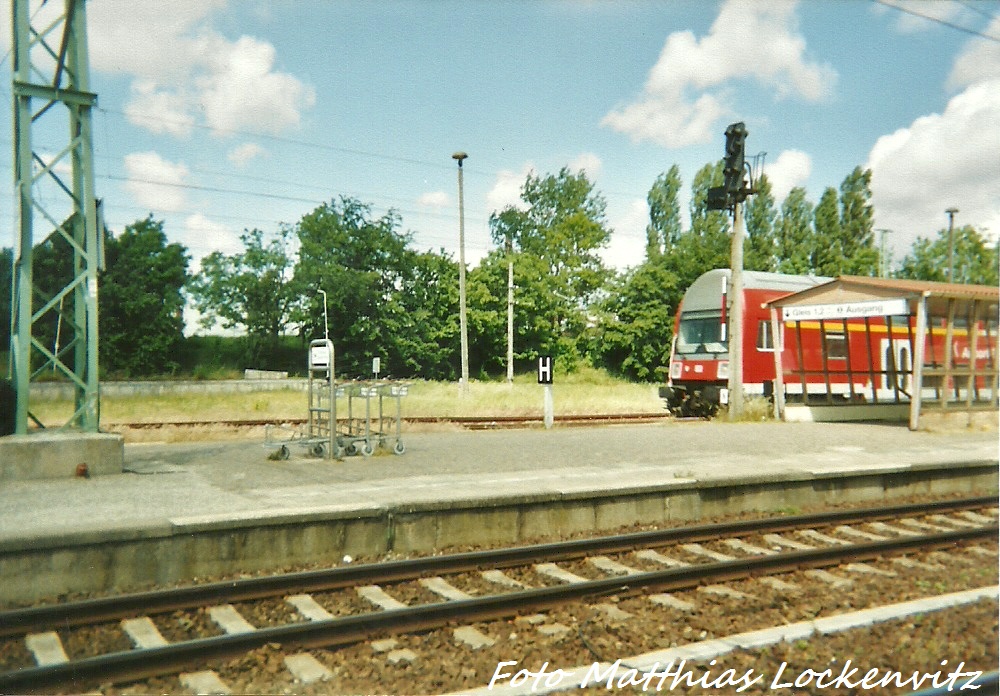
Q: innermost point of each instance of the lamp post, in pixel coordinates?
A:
(463, 327)
(326, 324)
(883, 262)
(951, 243)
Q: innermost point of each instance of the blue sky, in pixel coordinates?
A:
(218, 116)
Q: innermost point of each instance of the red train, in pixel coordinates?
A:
(853, 360)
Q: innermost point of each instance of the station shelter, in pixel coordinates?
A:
(887, 349)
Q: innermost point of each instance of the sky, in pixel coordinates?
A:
(218, 116)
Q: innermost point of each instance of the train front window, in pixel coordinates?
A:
(701, 332)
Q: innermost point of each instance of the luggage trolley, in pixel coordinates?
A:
(389, 423)
(355, 434)
(320, 436)
(365, 433)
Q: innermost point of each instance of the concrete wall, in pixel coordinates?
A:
(50, 455)
(62, 390)
(180, 550)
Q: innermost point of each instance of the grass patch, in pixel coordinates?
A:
(755, 410)
(587, 392)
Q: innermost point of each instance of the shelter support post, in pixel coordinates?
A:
(777, 336)
(970, 390)
(919, 344)
(949, 336)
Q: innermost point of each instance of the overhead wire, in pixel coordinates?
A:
(938, 20)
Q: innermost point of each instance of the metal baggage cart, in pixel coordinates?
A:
(390, 425)
(354, 434)
(320, 434)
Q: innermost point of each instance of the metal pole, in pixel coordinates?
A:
(510, 312)
(64, 81)
(463, 327)
(736, 317)
(951, 243)
(883, 262)
(326, 325)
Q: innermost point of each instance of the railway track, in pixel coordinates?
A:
(776, 545)
(467, 422)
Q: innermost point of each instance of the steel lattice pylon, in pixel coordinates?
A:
(51, 70)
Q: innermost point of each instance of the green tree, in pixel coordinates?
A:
(829, 250)
(52, 271)
(664, 228)
(796, 241)
(142, 301)
(535, 303)
(563, 225)
(760, 250)
(384, 299)
(253, 290)
(422, 318)
(857, 221)
(6, 277)
(975, 261)
(710, 228)
(637, 321)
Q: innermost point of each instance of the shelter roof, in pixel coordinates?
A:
(860, 288)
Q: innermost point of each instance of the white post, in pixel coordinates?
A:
(545, 368)
(918, 362)
(777, 336)
(736, 318)
(510, 320)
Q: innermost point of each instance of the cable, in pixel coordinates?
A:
(946, 23)
(972, 6)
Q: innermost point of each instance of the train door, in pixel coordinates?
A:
(896, 364)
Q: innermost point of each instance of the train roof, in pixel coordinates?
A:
(706, 292)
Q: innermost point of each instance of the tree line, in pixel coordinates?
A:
(385, 298)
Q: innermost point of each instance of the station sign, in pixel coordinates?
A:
(545, 369)
(320, 355)
(847, 310)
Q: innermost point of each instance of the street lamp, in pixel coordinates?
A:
(883, 262)
(951, 243)
(326, 325)
(463, 328)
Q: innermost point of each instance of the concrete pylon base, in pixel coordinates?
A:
(60, 455)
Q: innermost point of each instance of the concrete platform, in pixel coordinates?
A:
(60, 455)
(205, 509)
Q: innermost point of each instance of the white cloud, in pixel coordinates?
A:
(749, 39)
(939, 161)
(153, 40)
(154, 182)
(242, 154)
(980, 60)
(908, 13)
(182, 67)
(791, 169)
(434, 199)
(202, 235)
(241, 90)
(158, 111)
(506, 189)
(627, 246)
(587, 162)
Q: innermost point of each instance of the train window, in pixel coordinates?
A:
(836, 345)
(701, 332)
(765, 338)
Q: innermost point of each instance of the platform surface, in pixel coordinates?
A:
(182, 483)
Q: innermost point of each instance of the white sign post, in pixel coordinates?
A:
(545, 379)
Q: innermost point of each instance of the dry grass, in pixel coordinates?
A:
(585, 393)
